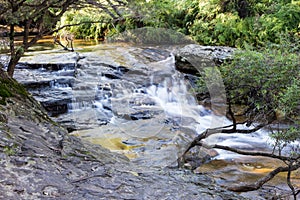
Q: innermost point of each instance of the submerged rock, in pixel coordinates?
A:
(199, 156)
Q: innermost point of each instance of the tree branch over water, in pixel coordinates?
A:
(293, 162)
(258, 184)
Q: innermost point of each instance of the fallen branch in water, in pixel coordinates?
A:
(209, 132)
(292, 161)
(258, 184)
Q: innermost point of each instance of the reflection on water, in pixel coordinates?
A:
(47, 43)
(247, 170)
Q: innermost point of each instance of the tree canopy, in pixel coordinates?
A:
(32, 15)
(40, 17)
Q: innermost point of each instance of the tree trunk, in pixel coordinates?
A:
(17, 53)
(15, 56)
(12, 65)
(12, 62)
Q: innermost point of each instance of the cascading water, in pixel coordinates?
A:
(138, 105)
(122, 99)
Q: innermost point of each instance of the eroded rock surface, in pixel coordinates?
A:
(191, 59)
(39, 160)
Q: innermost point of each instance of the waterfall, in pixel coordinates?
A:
(116, 93)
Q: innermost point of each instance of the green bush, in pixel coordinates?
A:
(209, 22)
(216, 23)
(266, 81)
(91, 25)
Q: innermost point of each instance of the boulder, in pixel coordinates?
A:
(198, 156)
(191, 58)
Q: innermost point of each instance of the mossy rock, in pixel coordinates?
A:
(10, 88)
(5, 92)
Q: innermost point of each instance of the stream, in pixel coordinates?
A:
(132, 100)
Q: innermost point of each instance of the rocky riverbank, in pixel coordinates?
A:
(39, 160)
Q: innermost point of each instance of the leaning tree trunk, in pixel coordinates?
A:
(14, 59)
(12, 65)
(17, 53)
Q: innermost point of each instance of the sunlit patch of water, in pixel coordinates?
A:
(246, 170)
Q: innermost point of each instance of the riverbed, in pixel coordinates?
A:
(132, 100)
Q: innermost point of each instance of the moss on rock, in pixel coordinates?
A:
(10, 88)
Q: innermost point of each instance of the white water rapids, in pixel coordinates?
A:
(138, 105)
(131, 100)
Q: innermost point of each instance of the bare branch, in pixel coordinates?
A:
(262, 181)
(208, 132)
(248, 153)
(78, 24)
(288, 180)
(103, 7)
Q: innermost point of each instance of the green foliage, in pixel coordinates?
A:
(4, 92)
(267, 83)
(215, 22)
(209, 22)
(152, 13)
(285, 137)
(151, 36)
(9, 88)
(265, 80)
(144, 13)
(135, 15)
(288, 98)
(32, 16)
(11, 150)
(90, 24)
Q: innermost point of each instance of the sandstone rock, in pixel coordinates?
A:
(192, 58)
(197, 156)
(39, 160)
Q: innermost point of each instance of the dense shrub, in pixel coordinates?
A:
(209, 22)
(265, 81)
(89, 24)
(219, 22)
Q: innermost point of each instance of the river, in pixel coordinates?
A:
(130, 99)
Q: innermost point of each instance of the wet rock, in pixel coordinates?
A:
(104, 87)
(120, 69)
(112, 76)
(114, 72)
(47, 66)
(50, 191)
(55, 108)
(146, 114)
(48, 83)
(185, 66)
(192, 58)
(55, 101)
(84, 119)
(154, 55)
(140, 77)
(35, 84)
(198, 156)
(142, 100)
(62, 166)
